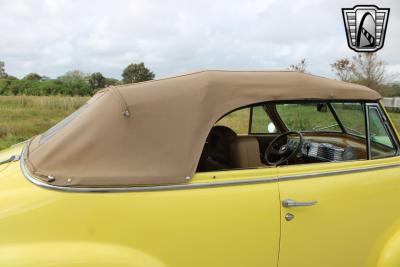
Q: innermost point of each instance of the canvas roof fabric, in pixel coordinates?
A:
(153, 133)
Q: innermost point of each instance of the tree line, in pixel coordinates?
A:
(72, 83)
(363, 68)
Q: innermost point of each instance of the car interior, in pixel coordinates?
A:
(287, 133)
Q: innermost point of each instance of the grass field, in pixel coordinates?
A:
(395, 117)
(22, 117)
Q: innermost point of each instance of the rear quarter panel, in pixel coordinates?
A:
(222, 226)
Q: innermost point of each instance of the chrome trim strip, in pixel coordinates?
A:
(332, 173)
(191, 186)
(140, 188)
(10, 159)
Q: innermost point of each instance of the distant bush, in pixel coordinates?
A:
(46, 87)
(32, 87)
(72, 83)
(390, 90)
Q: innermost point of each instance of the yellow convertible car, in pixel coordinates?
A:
(214, 168)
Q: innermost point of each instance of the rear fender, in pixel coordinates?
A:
(390, 256)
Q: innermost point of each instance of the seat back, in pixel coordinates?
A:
(216, 152)
(245, 153)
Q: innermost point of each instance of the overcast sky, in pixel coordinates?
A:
(171, 37)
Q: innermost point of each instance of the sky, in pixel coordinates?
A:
(51, 37)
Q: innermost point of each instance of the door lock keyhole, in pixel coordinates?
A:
(289, 216)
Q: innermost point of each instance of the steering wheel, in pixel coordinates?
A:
(280, 150)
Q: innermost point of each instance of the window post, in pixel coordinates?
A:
(367, 132)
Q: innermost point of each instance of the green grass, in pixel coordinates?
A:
(22, 117)
(395, 117)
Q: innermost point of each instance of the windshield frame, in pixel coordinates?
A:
(346, 129)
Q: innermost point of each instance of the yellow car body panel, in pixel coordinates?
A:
(215, 226)
(355, 222)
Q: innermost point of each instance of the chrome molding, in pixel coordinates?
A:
(289, 203)
(338, 172)
(10, 159)
(192, 186)
(140, 188)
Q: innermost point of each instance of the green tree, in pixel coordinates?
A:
(97, 81)
(134, 73)
(3, 73)
(112, 81)
(3, 86)
(75, 83)
(73, 77)
(10, 77)
(33, 77)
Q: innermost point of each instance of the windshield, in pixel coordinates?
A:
(351, 116)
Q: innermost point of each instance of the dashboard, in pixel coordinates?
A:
(323, 152)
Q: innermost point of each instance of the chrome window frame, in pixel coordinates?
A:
(387, 126)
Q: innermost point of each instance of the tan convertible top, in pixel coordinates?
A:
(153, 133)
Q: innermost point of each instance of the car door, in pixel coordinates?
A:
(347, 213)
(241, 225)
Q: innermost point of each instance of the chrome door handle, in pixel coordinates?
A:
(287, 203)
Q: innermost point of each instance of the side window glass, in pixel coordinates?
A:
(381, 142)
(238, 121)
(260, 122)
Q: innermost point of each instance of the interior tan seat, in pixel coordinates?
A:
(216, 152)
(245, 153)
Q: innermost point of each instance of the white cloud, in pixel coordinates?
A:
(54, 36)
